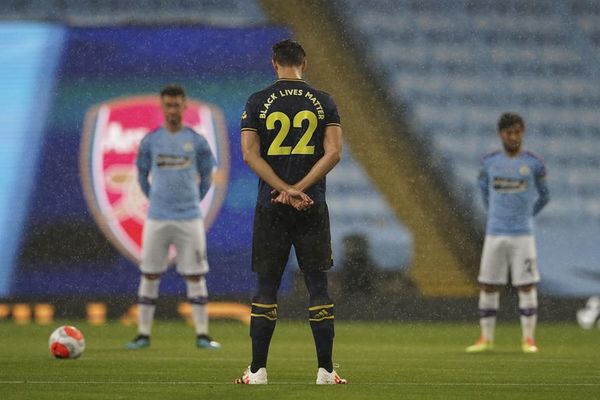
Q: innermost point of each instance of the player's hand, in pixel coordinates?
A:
(293, 197)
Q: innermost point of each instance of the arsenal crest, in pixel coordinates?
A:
(112, 133)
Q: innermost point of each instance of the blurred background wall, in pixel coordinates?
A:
(419, 84)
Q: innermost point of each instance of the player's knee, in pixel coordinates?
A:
(316, 284)
(526, 288)
(267, 287)
(489, 288)
(148, 289)
(193, 278)
(197, 292)
(489, 302)
(528, 301)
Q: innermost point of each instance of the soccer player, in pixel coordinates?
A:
(175, 172)
(513, 185)
(291, 138)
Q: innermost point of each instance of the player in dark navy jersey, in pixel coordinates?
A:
(291, 138)
(290, 118)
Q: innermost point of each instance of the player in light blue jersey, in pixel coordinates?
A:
(513, 185)
(175, 167)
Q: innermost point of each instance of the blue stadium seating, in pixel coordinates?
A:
(356, 207)
(456, 65)
(102, 12)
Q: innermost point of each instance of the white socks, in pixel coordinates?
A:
(197, 294)
(528, 304)
(488, 308)
(147, 295)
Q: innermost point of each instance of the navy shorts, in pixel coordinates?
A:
(279, 227)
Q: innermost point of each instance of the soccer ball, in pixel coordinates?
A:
(66, 342)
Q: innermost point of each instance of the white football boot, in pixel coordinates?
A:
(329, 378)
(249, 378)
(586, 317)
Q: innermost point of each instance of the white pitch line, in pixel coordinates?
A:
(175, 383)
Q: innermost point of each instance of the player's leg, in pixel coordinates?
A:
(197, 294)
(263, 319)
(493, 272)
(321, 319)
(271, 246)
(312, 242)
(147, 295)
(528, 304)
(190, 242)
(155, 246)
(489, 300)
(525, 276)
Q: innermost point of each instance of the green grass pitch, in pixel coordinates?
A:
(380, 360)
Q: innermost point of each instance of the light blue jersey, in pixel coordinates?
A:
(514, 190)
(180, 165)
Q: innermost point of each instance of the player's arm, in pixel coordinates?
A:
(205, 162)
(251, 148)
(542, 189)
(332, 145)
(252, 157)
(144, 164)
(483, 182)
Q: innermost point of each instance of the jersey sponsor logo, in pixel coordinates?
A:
(112, 133)
(173, 162)
(509, 185)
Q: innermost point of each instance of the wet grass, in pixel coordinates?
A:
(381, 361)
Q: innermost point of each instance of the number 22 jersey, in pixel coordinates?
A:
(290, 118)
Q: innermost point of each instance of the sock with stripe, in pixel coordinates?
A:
(147, 295)
(488, 308)
(197, 294)
(321, 324)
(528, 304)
(263, 319)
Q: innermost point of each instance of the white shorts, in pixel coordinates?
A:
(504, 254)
(188, 238)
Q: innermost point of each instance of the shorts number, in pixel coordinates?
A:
(276, 148)
(530, 265)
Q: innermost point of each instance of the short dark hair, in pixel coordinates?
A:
(172, 90)
(509, 119)
(288, 53)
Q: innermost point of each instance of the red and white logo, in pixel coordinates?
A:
(112, 133)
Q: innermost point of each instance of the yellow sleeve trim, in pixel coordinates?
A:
(334, 124)
(249, 129)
